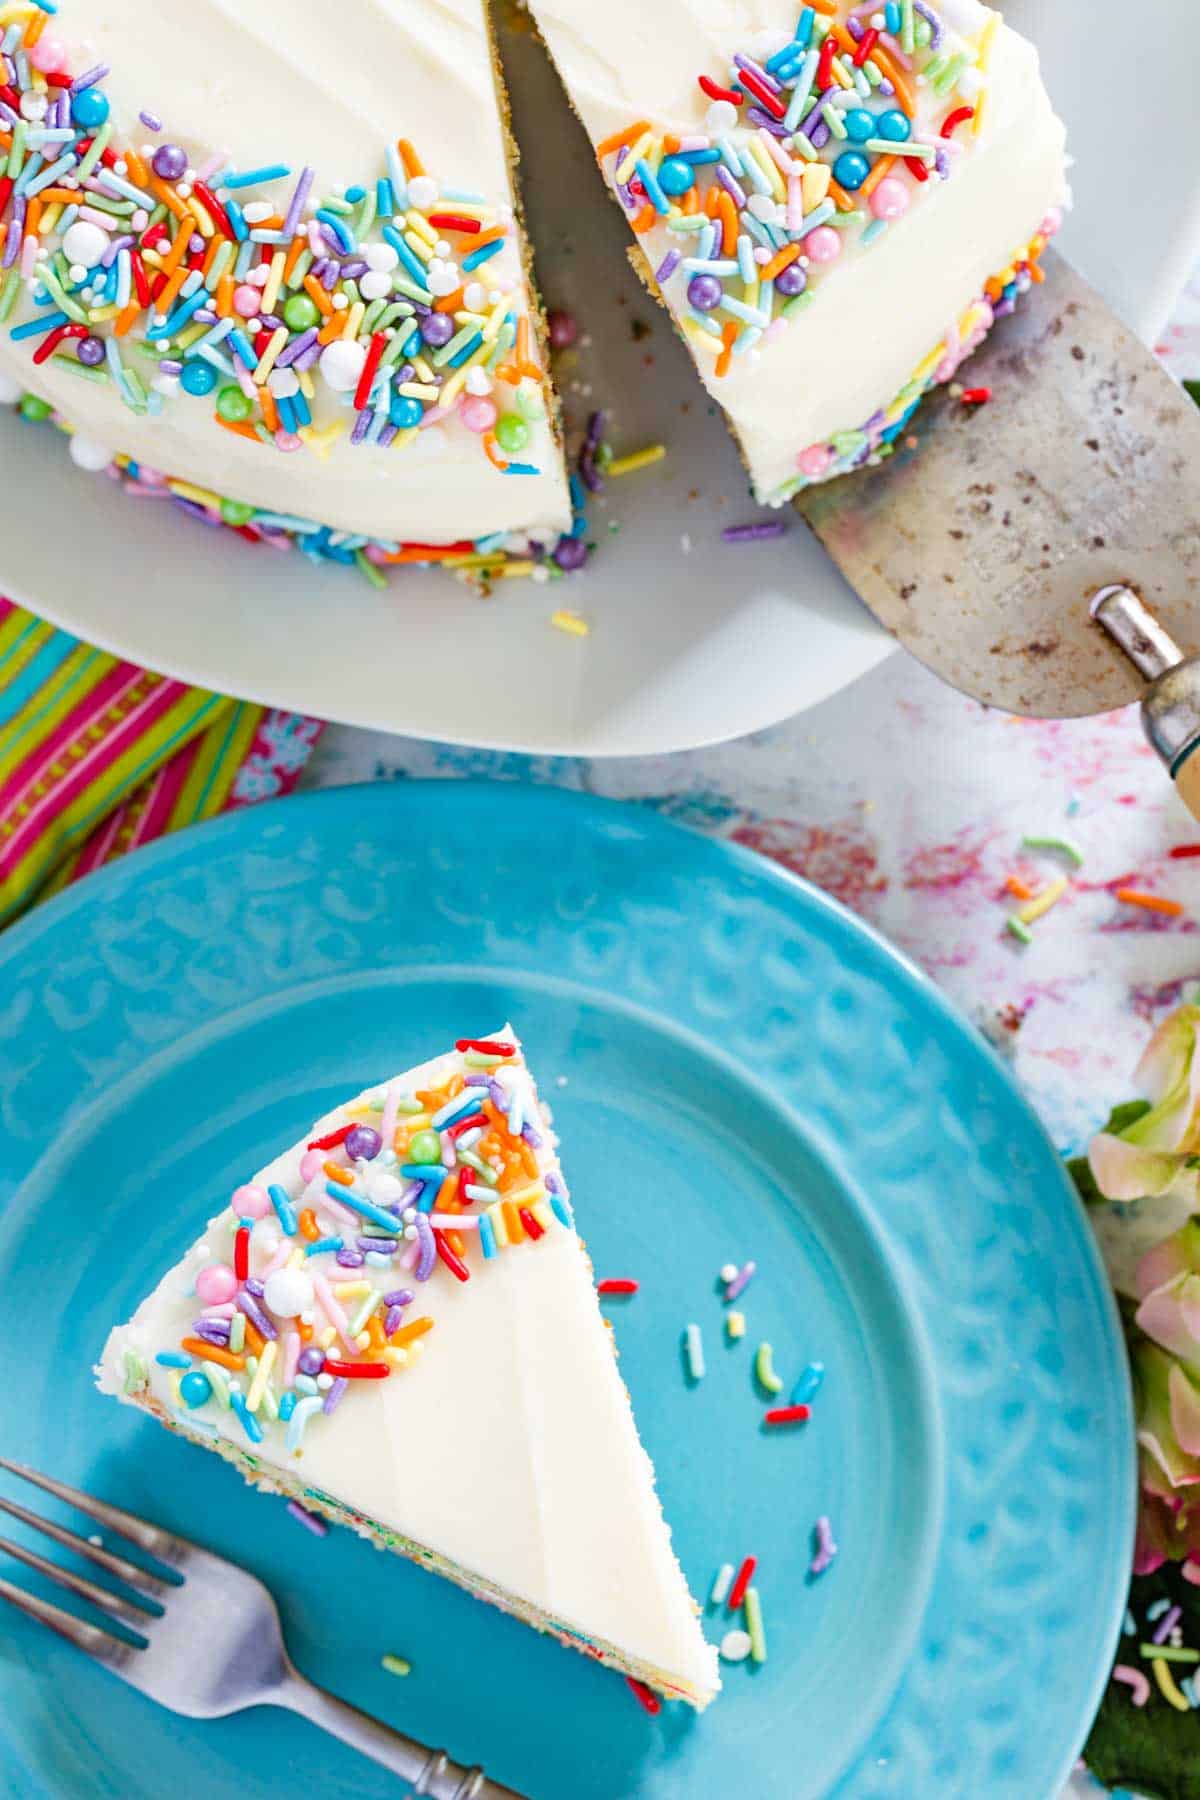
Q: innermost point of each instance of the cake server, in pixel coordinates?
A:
(980, 547)
(209, 1636)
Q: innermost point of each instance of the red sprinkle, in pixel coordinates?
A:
(366, 380)
(454, 222)
(762, 93)
(958, 117)
(866, 44)
(641, 1693)
(467, 1124)
(241, 1253)
(745, 1576)
(825, 65)
(53, 339)
(616, 1287)
(915, 166)
(140, 280)
(787, 1415)
(530, 1223)
(1180, 851)
(213, 208)
(454, 1263)
(333, 1140)
(716, 92)
(356, 1371)
(976, 396)
(6, 188)
(486, 1046)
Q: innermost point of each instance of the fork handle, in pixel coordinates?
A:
(429, 1773)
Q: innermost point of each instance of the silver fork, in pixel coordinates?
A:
(212, 1645)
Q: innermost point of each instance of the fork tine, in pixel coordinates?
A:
(100, 1644)
(104, 1559)
(116, 1604)
(149, 1537)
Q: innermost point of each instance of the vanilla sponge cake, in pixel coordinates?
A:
(409, 1275)
(832, 200)
(274, 258)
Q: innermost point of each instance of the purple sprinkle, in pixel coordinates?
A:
(941, 163)
(296, 348)
(553, 1184)
(254, 1286)
(497, 1095)
(392, 1319)
(765, 122)
(475, 1081)
(194, 508)
(350, 1259)
(249, 1305)
(269, 321)
(309, 360)
(356, 266)
(335, 1393)
(16, 232)
(89, 78)
(329, 271)
(399, 1297)
(331, 238)
(169, 366)
(750, 534)
(748, 63)
(814, 117)
(595, 431)
(310, 1521)
(818, 137)
(733, 188)
(213, 1331)
(381, 1246)
(932, 20)
(885, 87)
(825, 1550)
(151, 121)
(1166, 1625)
(296, 206)
(740, 1282)
(311, 1360)
(532, 1136)
(856, 29)
(428, 1255)
(7, 113)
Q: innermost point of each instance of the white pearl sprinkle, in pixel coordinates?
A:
(729, 1271)
(422, 192)
(735, 1646)
(324, 1381)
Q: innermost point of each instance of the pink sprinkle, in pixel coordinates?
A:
(1135, 1681)
(825, 1550)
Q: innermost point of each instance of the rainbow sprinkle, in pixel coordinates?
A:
(322, 1275)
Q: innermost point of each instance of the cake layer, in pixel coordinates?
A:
(384, 119)
(819, 193)
(498, 1444)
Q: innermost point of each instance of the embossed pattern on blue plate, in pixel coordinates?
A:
(749, 1072)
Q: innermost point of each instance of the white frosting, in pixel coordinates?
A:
(880, 310)
(508, 1447)
(289, 81)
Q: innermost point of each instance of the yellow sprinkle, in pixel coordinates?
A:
(525, 1196)
(754, 1625)
(321, 442)
(200, 213)
(491, 330)
(570, 622)
(326, 1337)
(351, 1290)
(640, 459)
(202, 496)
(767, 165)
(926, 367)
(841, 73)
(417, 390)
(306, 383)
(420, 224)
(354, 318)
(496, 1215)
(363, 1341)
(258, 1386)
(418, 246)
(403, 438)
(704, 340)
(296, 1260)
(541, 1211)
(814, 184)
(396, 1665)
(735, 1326)
(270, 292)
(980, 105)
(267, 360)
(1041, 903)
(636, 150)
(394, 1355)
(987, 38)
(515, 567)
(1166, 1683)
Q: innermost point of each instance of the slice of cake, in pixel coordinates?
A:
(394, 1319)
(832, 200)
(277, 273)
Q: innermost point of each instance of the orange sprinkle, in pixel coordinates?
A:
(1018, 889)
(992, 288)
(305, 1331)
(317, 295)
(170, 200)
(887, 65)
(642, 221)
(727, 213)
(728, 339)
(455, 1241)
(308, 1225)
(512, 1222)
(408, 156)
(1036, 273)
(671, 144)
(839, 196)
(35, 28)
(691, 203)
(335, 1172)
(880, 169)
(408, 1334)
(333, 327)
(124, 319)
(270, 411)
(827, 7)
(450, 302)
(64, 196)
(375, 1332)
(254, 1339)
(528, 1160)
(238, 426)
(448, 1192)
(710, 202)
(454, 1087)
(782, 259)
(492, 451)
(225, 289)
(178, 250)
(33, 217)
(163, 302)
(135, 167)
(1154, 903)
(628, 136)
(293, 257)
(212, 1353)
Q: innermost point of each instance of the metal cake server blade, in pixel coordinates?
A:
(980, 547)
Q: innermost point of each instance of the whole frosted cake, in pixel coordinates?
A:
(832, 200)
(276, 261)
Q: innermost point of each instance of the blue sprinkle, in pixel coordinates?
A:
(249, 1423)
(472, 262)
(173, 1359)
(487, 1237)
(284, 1208)
(338, 227)
(808, 1384)
(355, 194)
(287, 1405)
(38, 327)
(561, 1210)
(1157, 1610)
(322, 1245)
(251, 177)
(236, 217)
(652, 186)
(413, 264)
(385, 202)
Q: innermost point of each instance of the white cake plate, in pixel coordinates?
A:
(692, 640)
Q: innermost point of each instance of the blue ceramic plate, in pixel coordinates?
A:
(738, 1070)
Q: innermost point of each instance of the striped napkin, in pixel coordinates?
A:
(98, 756)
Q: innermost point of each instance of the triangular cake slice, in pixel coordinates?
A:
(279, 273)
(832, 200)
(396, 1317)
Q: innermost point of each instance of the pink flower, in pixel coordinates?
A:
(1159, 1152)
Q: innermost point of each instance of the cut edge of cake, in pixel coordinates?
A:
(129, 1370)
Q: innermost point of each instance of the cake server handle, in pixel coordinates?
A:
(1171, 704)
(428, 1773)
